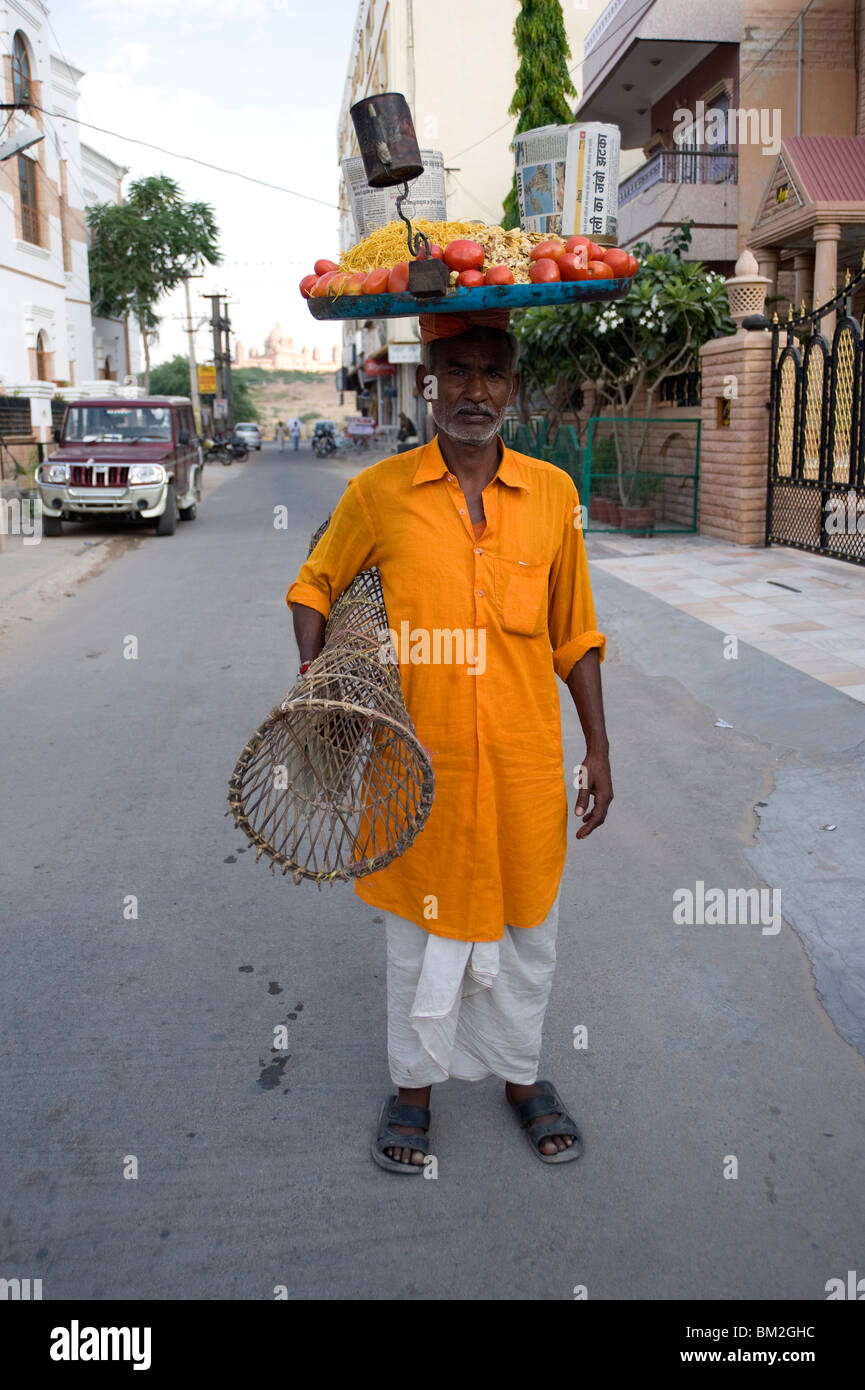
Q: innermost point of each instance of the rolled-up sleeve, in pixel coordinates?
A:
(571, 614)
(347, 547)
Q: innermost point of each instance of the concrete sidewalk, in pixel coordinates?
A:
(807, 610)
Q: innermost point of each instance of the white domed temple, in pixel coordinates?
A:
(280, 354)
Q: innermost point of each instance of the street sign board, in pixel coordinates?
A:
(207, 380)
(220, 408)
(403, 352)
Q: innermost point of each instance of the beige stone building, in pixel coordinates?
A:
(751, 119)
(280, 355)
(733, 106)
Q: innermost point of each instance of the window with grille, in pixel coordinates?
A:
(29, 201)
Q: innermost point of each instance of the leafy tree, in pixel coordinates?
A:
(144, 247)
(543, 80)
(172, 379)
(625, 347)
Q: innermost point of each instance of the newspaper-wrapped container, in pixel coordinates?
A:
(372, 208)
(540, 158)
(592, 182)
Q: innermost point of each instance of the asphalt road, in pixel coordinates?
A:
(150, 1036)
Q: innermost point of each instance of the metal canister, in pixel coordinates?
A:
(592, 183)
(387, 140)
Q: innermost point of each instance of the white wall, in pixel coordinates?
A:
(36, 291)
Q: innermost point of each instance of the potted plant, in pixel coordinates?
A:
(640, 512)
(599, 505)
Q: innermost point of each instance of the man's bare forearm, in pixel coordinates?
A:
(309, 628)
(595, 780)
(584, 683)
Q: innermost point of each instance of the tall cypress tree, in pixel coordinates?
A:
(543, 80)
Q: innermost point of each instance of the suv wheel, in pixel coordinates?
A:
(166, 523)
(189, 513)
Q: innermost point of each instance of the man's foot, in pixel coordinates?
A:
(421, 1099)
(553, 1143)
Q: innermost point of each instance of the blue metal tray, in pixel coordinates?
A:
(463, 301)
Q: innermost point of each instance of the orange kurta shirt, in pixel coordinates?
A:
(493, 849)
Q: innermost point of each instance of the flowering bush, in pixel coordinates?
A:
(625, 346)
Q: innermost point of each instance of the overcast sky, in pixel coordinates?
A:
(252, 85)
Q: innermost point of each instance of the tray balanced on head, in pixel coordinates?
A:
(463, 301)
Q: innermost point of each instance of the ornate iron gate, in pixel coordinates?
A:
(816, 498)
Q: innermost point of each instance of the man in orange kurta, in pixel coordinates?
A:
(486, 585)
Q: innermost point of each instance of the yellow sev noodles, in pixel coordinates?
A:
(389, 245)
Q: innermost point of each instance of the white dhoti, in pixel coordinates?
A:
(466, 1009)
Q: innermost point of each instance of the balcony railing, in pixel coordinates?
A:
(681, 166)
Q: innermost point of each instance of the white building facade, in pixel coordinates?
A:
(48, 334)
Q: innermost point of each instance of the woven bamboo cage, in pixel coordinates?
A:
(335, 784)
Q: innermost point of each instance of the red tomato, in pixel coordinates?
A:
(322, 267)
(471, 279)
(633, 266)
(437, 253)
(397, 282)
(321, 285)
(375, 282)
(599, 270)
(572, 267)
(354, 283)
(337, 282)
(594, 252)
(547, 251)
(499, 275)
(544, 272)
(617, 260)
(306, 285)
(464, 255)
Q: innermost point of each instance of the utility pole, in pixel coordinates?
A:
(221, 328)
(193, 365)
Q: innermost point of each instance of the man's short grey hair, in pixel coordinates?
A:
(427, 351)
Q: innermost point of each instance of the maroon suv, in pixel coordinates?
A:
(135, 457)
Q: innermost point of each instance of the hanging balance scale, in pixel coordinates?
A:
(391, 157)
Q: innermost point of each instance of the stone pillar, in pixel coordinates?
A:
(734, 457)
(767, 263)
(803, 266)
(826, 238)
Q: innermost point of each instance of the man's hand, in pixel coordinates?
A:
(595, 781)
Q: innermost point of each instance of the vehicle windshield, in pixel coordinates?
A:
(122, 424)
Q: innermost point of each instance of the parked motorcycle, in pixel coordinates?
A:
(225, 451)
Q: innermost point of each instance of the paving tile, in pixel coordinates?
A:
(846, 676)
(799, 627)
(857, 691)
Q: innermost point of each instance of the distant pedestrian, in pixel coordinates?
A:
(280, 435)
(295, 433)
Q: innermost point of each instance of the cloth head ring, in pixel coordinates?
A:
(434, 326)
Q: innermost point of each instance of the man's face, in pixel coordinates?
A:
(474, 385)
